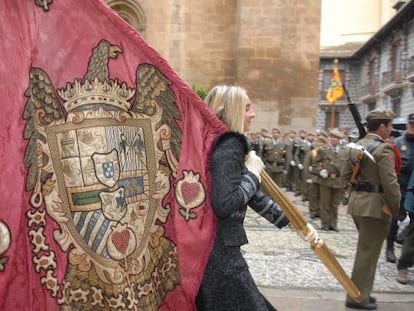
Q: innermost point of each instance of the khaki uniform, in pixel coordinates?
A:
(331, 186)
(312, 187)
(302, 147)
(257, 145)
(289, 164)
(376, 186)
(275, 160)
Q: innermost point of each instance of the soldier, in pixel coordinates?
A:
(375, 195)
(344, 140)
(310, 138)
(327, 167)
(302, 146)
(311, 178)
(275, 157)
(290, 162)
(256, 143)
(266, 143)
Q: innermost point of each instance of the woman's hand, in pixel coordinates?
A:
(254, 164)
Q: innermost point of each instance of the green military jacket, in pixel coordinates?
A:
(324, 158)
(302, 148)
(275, 157)
(379, 174)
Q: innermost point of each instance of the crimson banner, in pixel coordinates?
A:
(104, 160)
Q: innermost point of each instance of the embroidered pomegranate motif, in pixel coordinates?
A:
(190, 191)
(120, 240)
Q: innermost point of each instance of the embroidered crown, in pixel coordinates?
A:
(81, 94)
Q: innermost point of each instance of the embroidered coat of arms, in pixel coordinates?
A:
(100, 157)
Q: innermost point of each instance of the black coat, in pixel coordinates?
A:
(227, 283)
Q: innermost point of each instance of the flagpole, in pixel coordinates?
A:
(333, 103)
(333, 115)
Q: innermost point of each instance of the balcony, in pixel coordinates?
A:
(410, 69)
(369, 92)
(391, 77)
(392, 83)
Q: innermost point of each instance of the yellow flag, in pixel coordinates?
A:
(336, 90)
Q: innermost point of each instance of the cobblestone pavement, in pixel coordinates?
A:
(281, 260)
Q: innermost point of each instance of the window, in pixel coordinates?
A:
(372, 77)
(396, 61)
(396, 106)
(371, 106)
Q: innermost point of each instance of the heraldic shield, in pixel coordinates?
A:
(100, 155)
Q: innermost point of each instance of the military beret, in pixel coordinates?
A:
(380, 115)
(335, 133)
(321, 133)
(322, 139)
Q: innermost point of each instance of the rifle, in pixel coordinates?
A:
(362, 132)
(355, 114)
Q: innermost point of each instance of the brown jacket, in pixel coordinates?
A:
(378, 173)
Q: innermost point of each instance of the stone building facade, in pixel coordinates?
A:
(269, 47)
(378, 74)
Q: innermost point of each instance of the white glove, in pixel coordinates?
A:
(308, 181)
(285, 172)
(254, 164)
(323, 173)
(292, 163)
(310, 168)
(300, 166)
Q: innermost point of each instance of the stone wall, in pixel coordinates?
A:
(271, 47)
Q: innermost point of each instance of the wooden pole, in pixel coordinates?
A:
(333, 117)
(308, 233)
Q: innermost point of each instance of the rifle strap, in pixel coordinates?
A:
(357, 164)
(373, 145)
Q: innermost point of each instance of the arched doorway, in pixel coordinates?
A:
(131, 12)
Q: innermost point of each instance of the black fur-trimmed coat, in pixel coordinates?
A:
(227, 283)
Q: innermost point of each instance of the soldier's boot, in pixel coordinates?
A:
(389, 251)
(402, 276)
(401, 235)
(389, 254)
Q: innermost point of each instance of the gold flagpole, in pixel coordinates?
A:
(333, 117)
(308, 233)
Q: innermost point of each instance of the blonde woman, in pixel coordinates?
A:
(235, 184)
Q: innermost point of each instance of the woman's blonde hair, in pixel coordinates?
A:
(229, 104)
